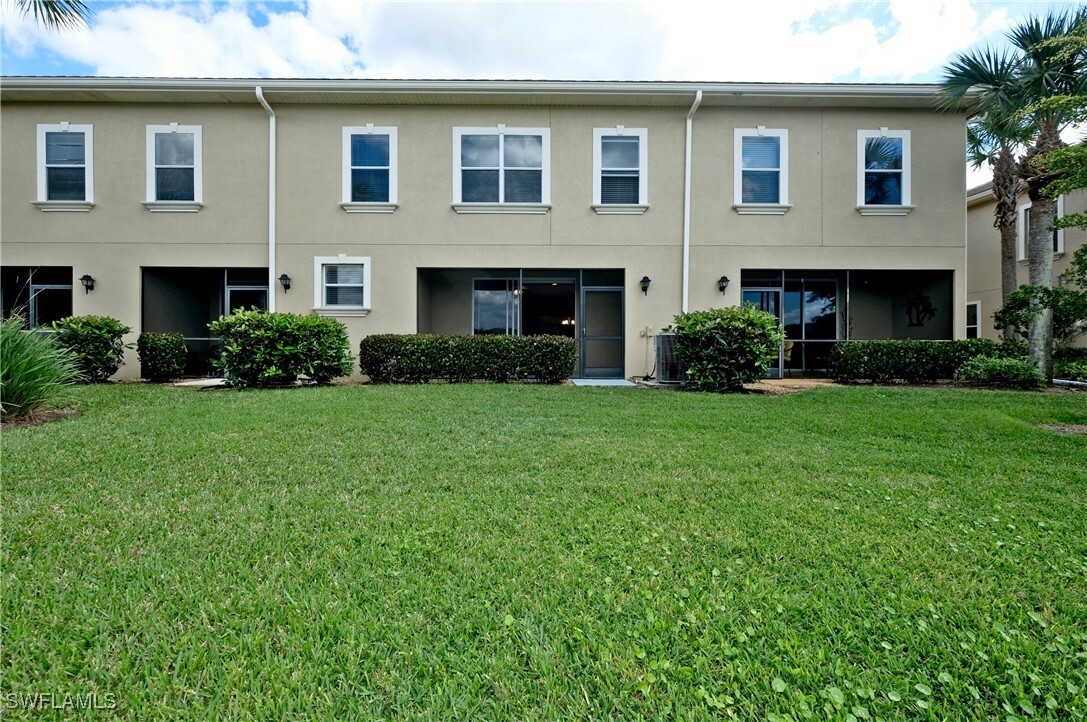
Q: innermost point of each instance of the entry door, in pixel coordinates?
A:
(602, 332)
(769, 300)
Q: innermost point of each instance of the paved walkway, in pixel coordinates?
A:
(603, 382)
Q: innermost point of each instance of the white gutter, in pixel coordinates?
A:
(687, 202)
(271, 200)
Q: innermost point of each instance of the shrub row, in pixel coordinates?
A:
(724, 348)
(162, 355)
(1070, 370)
(419, 358)
(912, 361)
(1005, 373)
(263, 349)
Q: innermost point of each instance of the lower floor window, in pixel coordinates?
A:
(41, 294)
(341, 283)
(973, 319)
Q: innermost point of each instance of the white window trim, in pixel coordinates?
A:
(621, 209)
(43, 203)
(762, 209)
(907, 174)
(319, 307)
(1021, 227)
(345, 196)
(522, 208)
(193, 206)
(978, 316)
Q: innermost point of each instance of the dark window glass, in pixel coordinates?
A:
(479, 186)
(369, 150)
(174, 184)
(524, 186)
(369, 185)
(618, 186)
(66, 184)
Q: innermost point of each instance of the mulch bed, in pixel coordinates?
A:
(42, 416)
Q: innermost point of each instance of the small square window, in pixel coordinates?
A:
(341, 285)
(65, 167)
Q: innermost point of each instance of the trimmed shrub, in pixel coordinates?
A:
(911, 361)
(162, 355)
(1071, 353)
(266, 349)
(34, 369)
(1005, 373)
(1070, 370)
(419, 358)
(724, 348)
(95, 344)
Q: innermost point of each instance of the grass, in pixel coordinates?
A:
(523, 552)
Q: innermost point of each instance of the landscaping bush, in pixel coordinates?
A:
(1074, 353)
(724, 348)
(264, 349)
(162, 355)
(912, 361)
(34, 369)
(95, 344)
(1070, 370)
(419, 358)
(1008, 373)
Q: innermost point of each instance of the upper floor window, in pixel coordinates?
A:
(620, 180)
(501, 170)
(65, 167)
(883, 172)
(1022, 229)
(174, 168)
(761, 176)
(369, 169)
(341, 285)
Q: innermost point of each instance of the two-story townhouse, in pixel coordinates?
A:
(596, 210)
(983, 254)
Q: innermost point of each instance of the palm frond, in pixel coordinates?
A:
(56, 14)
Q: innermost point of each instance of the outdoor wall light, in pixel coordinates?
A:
(285, 281)
(88, 282)
(723, 283)
(645, 285)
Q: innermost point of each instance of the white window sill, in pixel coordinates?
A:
(762, 209)
(884, 210)
(67, 206)
(524, 208)
(620, 209)
(369, 207)
(344, 311)
(1056, 257)
(173, 206)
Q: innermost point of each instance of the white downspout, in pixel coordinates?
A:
(271, 200)
(687, 203)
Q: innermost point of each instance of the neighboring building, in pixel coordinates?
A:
(983, 296)
(487, 207)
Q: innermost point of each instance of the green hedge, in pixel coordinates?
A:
(1070, 370)
(419, 358)
(95, 344)
(1005, 373)
(162, 355)
(265, 349)
(724, 348)
(911, 361)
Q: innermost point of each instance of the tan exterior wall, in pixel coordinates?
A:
(983, 256)
(822, 230)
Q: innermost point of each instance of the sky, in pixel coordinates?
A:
(896, 41)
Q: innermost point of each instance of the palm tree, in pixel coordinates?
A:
(56, 14)
(1011, 86)
(993, 136)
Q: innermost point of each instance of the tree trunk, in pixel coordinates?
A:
(1006, 189)
(1040, 261)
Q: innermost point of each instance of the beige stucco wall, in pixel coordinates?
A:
(821, 231)
(983, 255)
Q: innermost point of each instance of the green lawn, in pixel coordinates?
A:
(523, 552)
